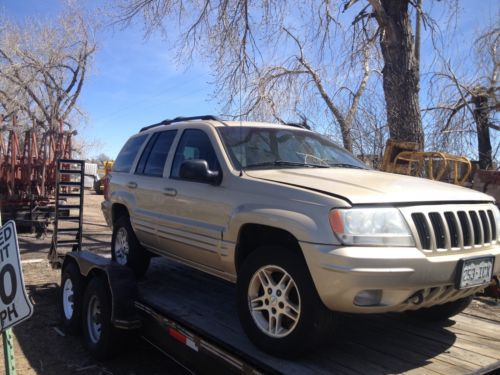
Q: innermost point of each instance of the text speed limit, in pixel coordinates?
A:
(14, 304)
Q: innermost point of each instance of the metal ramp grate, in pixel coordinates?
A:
(68, 223)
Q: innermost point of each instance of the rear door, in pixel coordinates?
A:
(149, 193)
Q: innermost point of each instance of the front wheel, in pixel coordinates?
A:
(278, 305)
(442, 312)
(126, 249)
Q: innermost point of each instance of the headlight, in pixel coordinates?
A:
(371, 226)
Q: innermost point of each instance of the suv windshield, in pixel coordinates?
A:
(252, 147)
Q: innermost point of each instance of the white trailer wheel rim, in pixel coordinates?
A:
(274, 301)
(94, 321)
(121, 246)
(68, 299)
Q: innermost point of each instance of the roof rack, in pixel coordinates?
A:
(298, 125)
(179, 119)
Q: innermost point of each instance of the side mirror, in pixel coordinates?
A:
(197, 170)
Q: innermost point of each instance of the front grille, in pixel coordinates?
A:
(452, 227)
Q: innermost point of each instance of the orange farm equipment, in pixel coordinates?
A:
(28, 159)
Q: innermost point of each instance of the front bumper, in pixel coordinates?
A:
(398, 273)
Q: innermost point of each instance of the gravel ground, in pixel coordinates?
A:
(41, 347)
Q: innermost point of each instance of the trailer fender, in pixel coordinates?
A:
(121, 282)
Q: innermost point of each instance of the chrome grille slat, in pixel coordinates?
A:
(494, 233)
(438, 229)
(452, 230)
(486, 226)
(477, 227)
(466, 228)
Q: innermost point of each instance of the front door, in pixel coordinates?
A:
(193, 221)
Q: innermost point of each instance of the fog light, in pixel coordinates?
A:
(368, 297)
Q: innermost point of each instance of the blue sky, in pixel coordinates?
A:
(135, 81)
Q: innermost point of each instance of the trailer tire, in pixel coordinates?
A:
(71, 298)
(126, 249)
(101, 338)
(311, 322)
(442, 312)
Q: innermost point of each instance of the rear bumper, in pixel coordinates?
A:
(106, 211)
(397, 273)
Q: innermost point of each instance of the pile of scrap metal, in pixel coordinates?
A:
(404, 158)
(28, 159)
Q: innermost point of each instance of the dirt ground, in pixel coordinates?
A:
(41, 346)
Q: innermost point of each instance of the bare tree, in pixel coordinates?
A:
(43, 66)
(242, 38)
(274, 59)
(466, 105)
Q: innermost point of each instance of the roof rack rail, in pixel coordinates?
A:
(298, 125)
(179, 119)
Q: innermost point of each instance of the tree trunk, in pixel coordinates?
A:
(400, 72)
(481, 116)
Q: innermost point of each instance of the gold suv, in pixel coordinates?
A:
(302, 227)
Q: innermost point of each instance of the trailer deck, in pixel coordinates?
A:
(385, 343)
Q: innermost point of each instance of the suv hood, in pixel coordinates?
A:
(368, 186)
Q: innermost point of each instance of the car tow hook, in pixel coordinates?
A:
(417, 298)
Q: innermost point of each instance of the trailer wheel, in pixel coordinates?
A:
(71, 298)
(126, 249)
(278, 305)
(442, 312)
(101, 338)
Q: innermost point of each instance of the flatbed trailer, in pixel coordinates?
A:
(191, 317)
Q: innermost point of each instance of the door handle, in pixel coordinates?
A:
(170, 192)
(132, 185)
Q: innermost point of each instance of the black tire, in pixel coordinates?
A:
(71, 299)
(101, 338)
(315, 321)
(442, 312)
(137, 257)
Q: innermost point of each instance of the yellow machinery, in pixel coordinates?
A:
(403, 158)
(104, 170)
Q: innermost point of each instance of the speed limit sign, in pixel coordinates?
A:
(15, 306)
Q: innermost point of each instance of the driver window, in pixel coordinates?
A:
(194, 144)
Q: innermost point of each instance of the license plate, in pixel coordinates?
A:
(475, 271)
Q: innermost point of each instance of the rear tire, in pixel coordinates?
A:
(101, 338)
(278, 305)
(442, 312)
(71, 298)
(126, 249)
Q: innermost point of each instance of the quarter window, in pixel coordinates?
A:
(194, 144)
(127, 155)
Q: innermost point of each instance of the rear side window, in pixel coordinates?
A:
(128, 153)
(194, 144)
(155, 154)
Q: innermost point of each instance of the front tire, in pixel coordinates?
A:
(278, 305)
(100, 337)
(442, 312)
(126, 249)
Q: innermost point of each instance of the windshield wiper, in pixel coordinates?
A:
(345, 165)
(284, 163)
